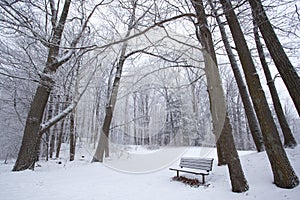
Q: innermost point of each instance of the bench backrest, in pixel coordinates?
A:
(197, 163)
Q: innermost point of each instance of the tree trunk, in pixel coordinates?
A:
(284, 175)
(59, 139)
(72, 136)
(52, 143)
(62, 125)
(46, 145)
(237, 178)
(289, 140)
(251, 116)
(135, 118)
(97, 119)
(27, 154)
(221, 123)
(104, 135)
(55, 106)
(282, 62)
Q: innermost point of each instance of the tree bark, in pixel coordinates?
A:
(289, 140)
(27, 154)
(104, 135)
(54, 131)
(103, 144)
(135, 118)
(282, 62)
(72, 136)
(49, 131)
(250, 113)
(284, 175)
(62, 125)
(221, 123)
(59, 139)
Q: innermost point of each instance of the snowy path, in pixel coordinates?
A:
(82, 180)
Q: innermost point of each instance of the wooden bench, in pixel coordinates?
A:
(203, 164)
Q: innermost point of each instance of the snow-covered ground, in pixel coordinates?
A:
(83, 180)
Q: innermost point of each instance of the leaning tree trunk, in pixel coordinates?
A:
(289, 140)
(281, 60)
(284, 175)
(27, 154)
(104, 135)
(221, 123)
(250, 113)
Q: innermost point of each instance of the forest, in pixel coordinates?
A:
(108, 75)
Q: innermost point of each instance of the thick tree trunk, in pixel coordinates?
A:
(221, 149)
(221, 123)
(284, 175)
(289, 140)
(250, 113)
(237, 178)
(282, 62)
(27, 154)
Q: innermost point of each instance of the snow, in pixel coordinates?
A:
(83, 180)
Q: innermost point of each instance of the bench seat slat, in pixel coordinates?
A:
(196, 161)
(205, 168)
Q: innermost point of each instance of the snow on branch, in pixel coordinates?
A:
(48, 124)
(68, 54)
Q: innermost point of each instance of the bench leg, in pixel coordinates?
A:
(177, 173)
(203, 179)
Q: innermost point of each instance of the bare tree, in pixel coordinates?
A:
(281, 60)
(104, 135)
(57, 56)
(221, 123)
(289, 140)
(284, 175)
(251, 116)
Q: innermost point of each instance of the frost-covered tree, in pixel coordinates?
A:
(50, 32)
(284, 175)
(282, 62)
(289, 140)
(220, 119)
(250, 113)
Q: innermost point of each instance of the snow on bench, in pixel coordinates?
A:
(203, 164)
